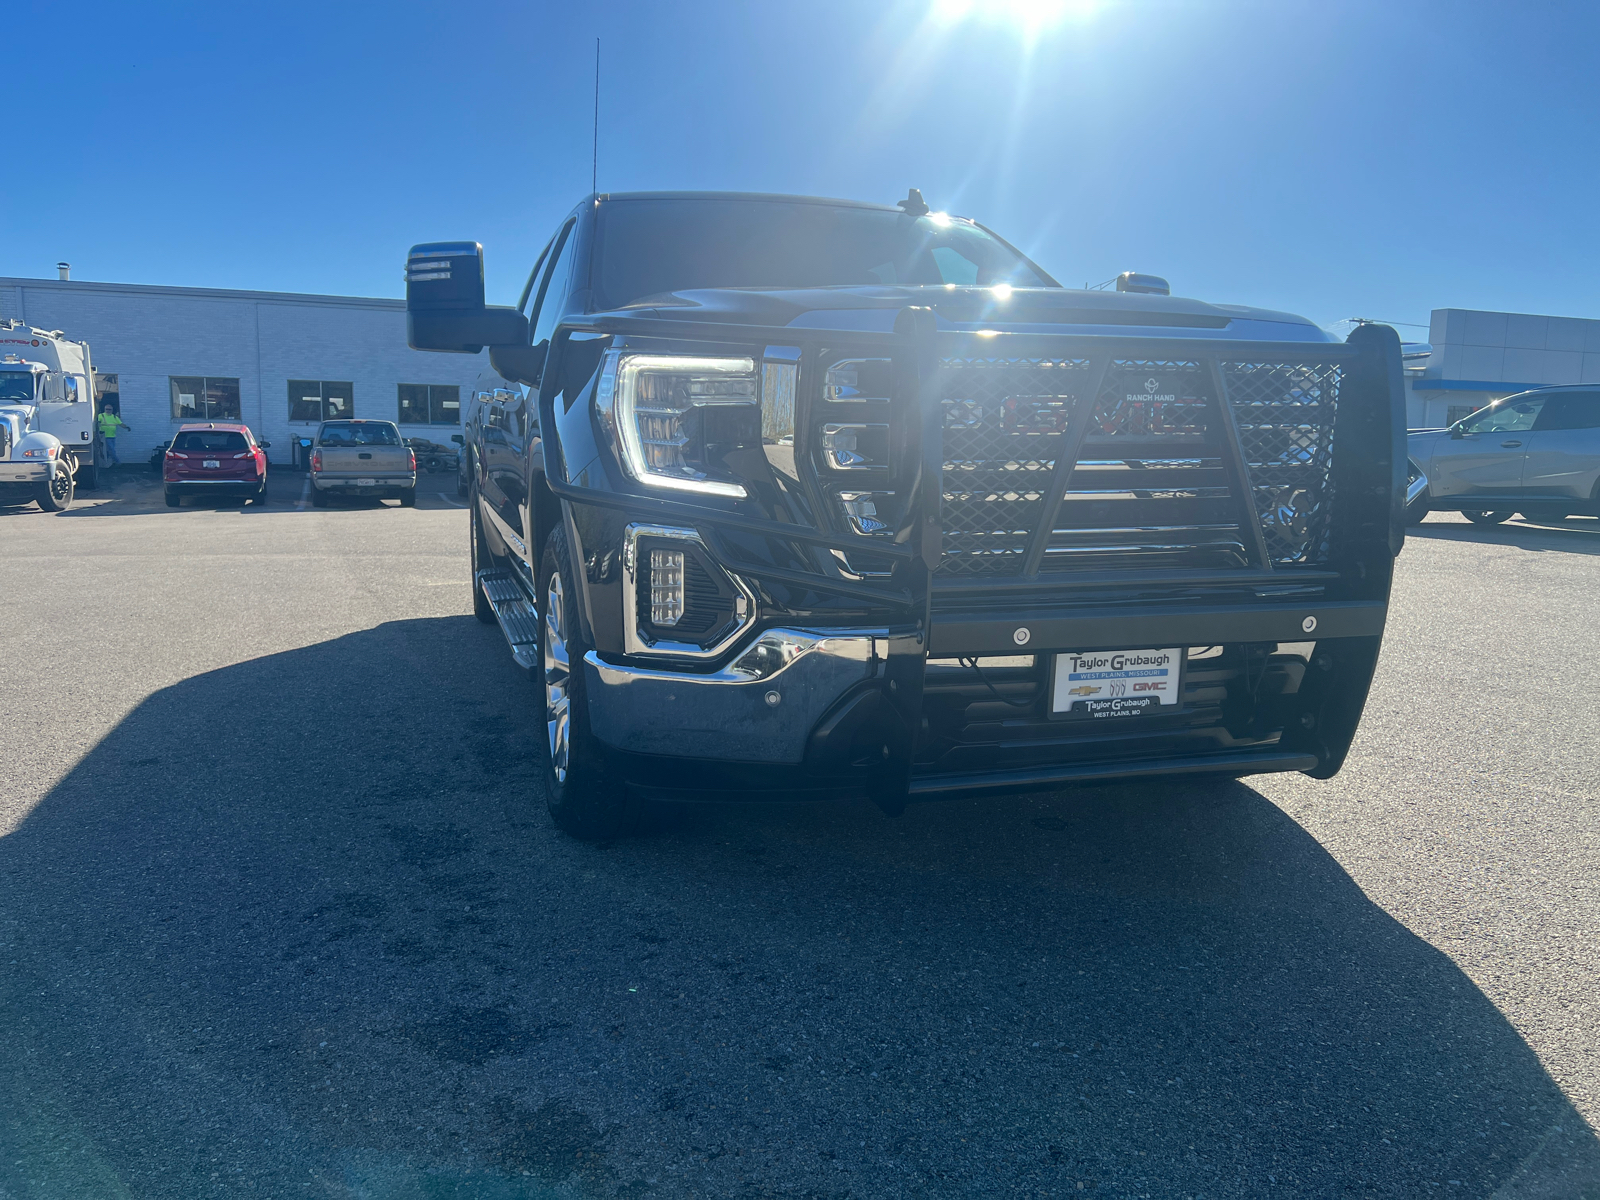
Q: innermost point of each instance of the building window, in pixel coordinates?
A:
(197, 398)
(321, 400)
(430, 404)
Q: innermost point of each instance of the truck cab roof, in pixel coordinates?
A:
(745, 264)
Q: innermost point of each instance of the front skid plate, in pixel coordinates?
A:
(519, 620)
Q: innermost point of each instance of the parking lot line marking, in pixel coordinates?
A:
(305, 493)
(451, 500)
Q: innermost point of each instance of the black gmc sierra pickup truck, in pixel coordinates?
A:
(800, 497)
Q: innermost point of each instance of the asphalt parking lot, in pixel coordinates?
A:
(281, 913)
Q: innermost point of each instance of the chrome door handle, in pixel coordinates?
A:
(1510, 444)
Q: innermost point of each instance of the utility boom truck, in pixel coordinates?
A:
(42, 369)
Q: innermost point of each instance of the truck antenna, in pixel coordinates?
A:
(594, 162)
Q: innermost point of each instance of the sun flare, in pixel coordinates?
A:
(1031, 17)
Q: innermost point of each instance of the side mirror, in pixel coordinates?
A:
(444, 302)
(458, 439)
(265, 445)
(1457, 433)
(520, 364)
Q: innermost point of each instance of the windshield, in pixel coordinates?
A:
(16, 386)
(216, 441)
(358, 433)
(646, 247)
(1511, 415)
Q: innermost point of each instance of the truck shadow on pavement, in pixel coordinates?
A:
(301, 926)
(1573, 536)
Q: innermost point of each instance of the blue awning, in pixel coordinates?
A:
(1473, 385)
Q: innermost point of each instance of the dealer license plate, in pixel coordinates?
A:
(1107, 684)
(366, 483)
(210, 462)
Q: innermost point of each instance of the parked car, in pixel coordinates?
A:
(817, 498)
(34, 465)
(362, 458)
(215, 458)
(1537, 453)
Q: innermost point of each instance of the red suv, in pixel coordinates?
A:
(215, 457)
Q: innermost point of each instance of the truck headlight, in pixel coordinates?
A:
(40, 452)
(676, 416)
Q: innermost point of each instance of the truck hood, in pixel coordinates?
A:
(1011, 310)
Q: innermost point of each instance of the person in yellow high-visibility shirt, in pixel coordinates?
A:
(109, 424)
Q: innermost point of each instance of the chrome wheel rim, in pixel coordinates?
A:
(61, 486)
(557, 679)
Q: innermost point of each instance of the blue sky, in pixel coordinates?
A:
(1334, 159)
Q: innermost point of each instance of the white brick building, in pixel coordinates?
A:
(280, 359)
(1480, 356)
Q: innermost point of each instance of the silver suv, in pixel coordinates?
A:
(1537, 453)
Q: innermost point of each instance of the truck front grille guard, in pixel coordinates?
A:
(991, 433)
(1230, 467)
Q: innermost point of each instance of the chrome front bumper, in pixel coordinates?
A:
(760, 708)
(1417, 487)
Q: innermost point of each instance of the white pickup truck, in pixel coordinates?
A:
(362, 458)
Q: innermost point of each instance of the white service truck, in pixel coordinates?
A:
(43, 369)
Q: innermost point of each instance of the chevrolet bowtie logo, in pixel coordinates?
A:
(1083, 690)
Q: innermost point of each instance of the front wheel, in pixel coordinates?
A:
(56, 494)
(1480, 517)
(584, 797)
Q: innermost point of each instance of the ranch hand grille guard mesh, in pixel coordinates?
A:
(1153, 482)
(1003, 424)
(1285, 416)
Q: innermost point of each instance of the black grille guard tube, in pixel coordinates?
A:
(1369, 479)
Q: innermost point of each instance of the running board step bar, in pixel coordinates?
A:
(519, 620)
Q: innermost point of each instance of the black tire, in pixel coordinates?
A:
(1480, 517)
(261, 493)
(581, 789)
(88, 474)
(480, 556)
(408, 498)
(1417, 510)
(173, 499)
(56, 495)
(319, 499)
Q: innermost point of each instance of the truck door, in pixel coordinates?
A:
(514, 414)
(1487, 458)
(503, 425)
(1564, 448)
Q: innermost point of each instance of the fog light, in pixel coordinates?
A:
(666, 586)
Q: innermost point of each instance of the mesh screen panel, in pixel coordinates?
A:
(1285, 413)
(1003, 421)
